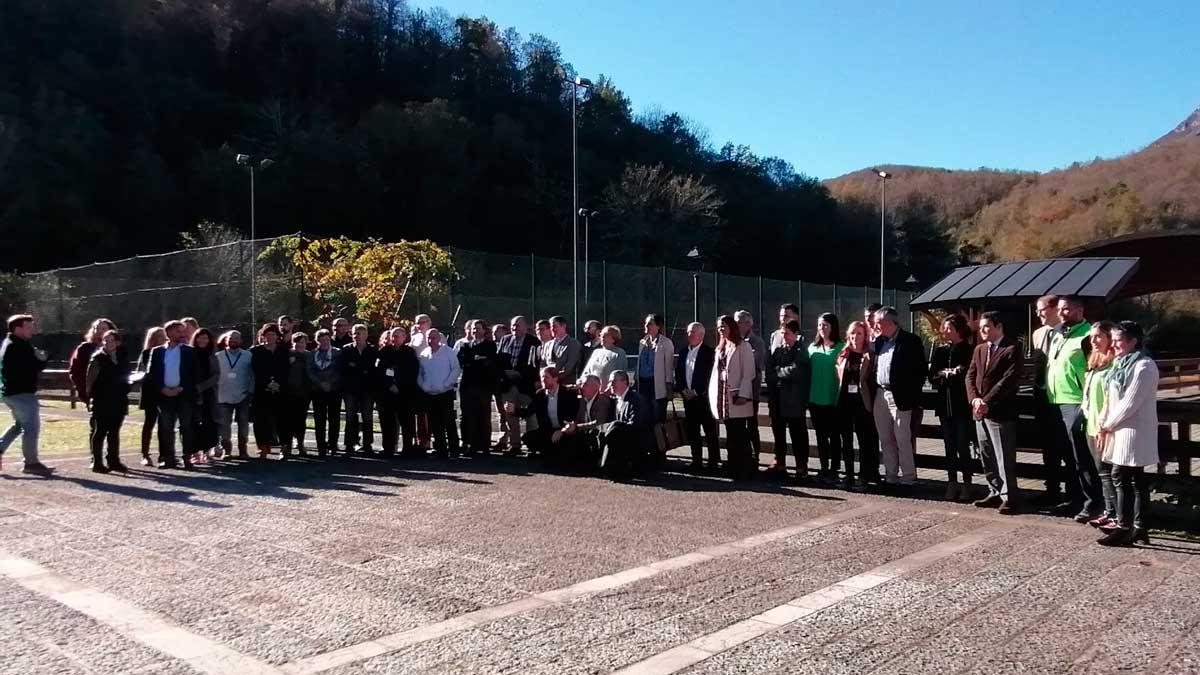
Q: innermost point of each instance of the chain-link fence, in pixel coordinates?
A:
(213, 284)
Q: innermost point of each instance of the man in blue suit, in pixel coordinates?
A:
(173, 377)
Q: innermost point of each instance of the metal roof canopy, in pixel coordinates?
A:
(1025, 281)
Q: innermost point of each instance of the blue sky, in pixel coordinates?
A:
(837, 86)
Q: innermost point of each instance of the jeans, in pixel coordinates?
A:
(1106, 479)
(1133, 493)
(226, 413)
(895, 439)
(1086, 477)
(956, 436)
(27, 424)
(829, 440)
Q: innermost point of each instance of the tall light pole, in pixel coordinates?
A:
(248, 161)
(883, 179)
(575, 85)
(694, 254)
(587, 217)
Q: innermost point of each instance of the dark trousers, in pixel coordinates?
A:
(957, 433)
(327, 417)
(697, 419)
(204, 419)
(1133, 494)
(829, 441)
(658, 406)
(797, 427)
(737, 436)
(294, 420)
(148, 428)
(475, 403)
(396, 422)
(755, 436)
(1055, 447)
(564, 453)
(1086, 477)
(623, 450)
(106, 428)
(855, 420)
(266, 411)
(440, 409)
(174, 410)
(359, 420)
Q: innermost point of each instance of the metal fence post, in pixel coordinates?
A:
(664, 297)
(836, 308)
(532, 286)
(760, 302)
(604, 291)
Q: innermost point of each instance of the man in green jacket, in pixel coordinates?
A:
(1065, 372)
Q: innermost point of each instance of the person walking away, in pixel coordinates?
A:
(235, 387)
(948, 374)
(20, 365)
(992, 382)
(107, 389)
(823, 394)
(1129, 432)
(789, 382)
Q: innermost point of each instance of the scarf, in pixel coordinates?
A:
(1122, 370)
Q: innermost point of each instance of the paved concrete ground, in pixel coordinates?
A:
(487, 566)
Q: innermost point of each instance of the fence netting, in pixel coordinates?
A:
(214, 285)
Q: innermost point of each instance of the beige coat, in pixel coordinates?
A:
(739, 374)
(1133, 418)
(664, 364)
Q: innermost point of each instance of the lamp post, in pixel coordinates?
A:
(883, 179)
(248, 162)
(575, 85)
(912, 289)
(587, 217)
(694, 254)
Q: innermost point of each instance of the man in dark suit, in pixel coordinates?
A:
(626, 438)
(356, 367)
(173, 376)
(555, 408)
(895, 382)
(693, 366)
(992, 381)
(515, 358)
(595, 410)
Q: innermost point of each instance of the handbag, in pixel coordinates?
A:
(670, 433)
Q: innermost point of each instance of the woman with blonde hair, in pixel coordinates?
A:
(608, 356)
(1099, 364)
(854, 417)
(148, 400)
(730, 396)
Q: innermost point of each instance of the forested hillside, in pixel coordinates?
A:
(120, 119)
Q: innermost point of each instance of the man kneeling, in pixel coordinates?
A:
(556, 408)
(626, 439)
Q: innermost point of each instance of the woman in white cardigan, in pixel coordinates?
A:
(1129, 432)
(730, 396)
(656, 366)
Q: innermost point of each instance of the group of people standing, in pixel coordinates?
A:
(582, 404)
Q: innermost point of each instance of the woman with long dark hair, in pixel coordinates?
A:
(1128, 435)
(823, 394)
(269, 362)
(948, 374)
(204, 417)
(148, 400)
(730, 396)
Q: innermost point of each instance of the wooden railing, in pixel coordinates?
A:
(1177, 374)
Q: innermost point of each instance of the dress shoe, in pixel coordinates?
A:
(989, 502)
(187, 463)
(37, 469)
(98, 467)
(118, 467)
(1006, 509)
(1141, 535)
(1117, 537)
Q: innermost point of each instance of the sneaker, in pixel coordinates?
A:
(37, 469)
(146, 461)
(952, 491)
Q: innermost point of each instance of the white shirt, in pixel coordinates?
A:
(417, 341)
(690, 366)
(171, 366)
(439, 370)
(552, 407)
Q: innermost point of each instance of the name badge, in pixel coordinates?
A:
(232, 376)
(853, 389)
(390, 372)
(291, 359)
(353, 364)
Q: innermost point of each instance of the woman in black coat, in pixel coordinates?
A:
(789, 378)
(107, 387)
(204, 417)
(396, 373)
(948, 375)
(269, 362)
(148, 400)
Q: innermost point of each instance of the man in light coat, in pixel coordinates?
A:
(438, 376)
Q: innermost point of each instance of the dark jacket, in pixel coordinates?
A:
(952, 390)
(399, 367)
(525, 365)
(479, 369)
(789, 377)
(148, 398)
(297, 383)
(187, 372)
(996, 381)
(77, 369)
(907, 375)
(568, 408)
(19, 367)
(324, 376)
(107, 384)
(357, 369)
(705, 356)
(269, 366)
